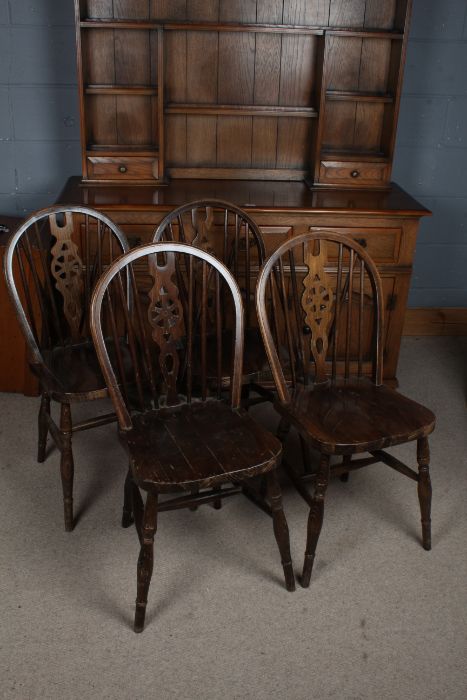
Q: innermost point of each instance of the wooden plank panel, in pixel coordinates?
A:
(368, 126)
(132, 57)
(168, 9)
(380, 15)
(347, 13)
(343, 63)
(306, 12)
(153, 57)
(99, 9)
(201, 67)
(236, 68)
(176, 145)
(374, 67)
(294, 143)
(237, 11)
(297, 70)
(269, 11)
(234, 136)
(264, 146)
(175, 66)
(99, 57)
(201, 143)
(267, 69)
(134, 120)
(339, 125)
(131, 9)
(203, 10)
(102, 119)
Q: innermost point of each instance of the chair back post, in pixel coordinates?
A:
(49, 276)
(315, 314)
(161, 333)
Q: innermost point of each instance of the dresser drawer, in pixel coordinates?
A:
(125, 168)
(382, 245)
(353, 174)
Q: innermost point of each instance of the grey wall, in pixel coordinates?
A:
(431, 153)
(39, 121)
(39, 127)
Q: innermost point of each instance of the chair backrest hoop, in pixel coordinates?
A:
(35, 355)
(122, 412)
(261, 287)
(215, 204)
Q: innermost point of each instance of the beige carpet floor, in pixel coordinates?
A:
(382, 619)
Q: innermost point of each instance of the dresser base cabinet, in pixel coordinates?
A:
(384, 222)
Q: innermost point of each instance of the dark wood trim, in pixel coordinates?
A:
(430, 321)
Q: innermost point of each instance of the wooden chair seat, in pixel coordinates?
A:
(355, 415)
(198, 446)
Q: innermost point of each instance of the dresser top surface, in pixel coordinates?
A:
(251, 194)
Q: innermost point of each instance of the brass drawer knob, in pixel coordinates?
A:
(122, 169)
(354, 173)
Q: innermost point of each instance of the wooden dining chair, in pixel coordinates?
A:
(230, 234)
(320, 309)
(51, 265)
(180, 434)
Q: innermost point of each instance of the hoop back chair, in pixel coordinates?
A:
(320, 307)
(51, 265)
(230, 234)
(179, 433)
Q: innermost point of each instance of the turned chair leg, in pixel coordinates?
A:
(306, 455)
(127, 515)
(146, 559)
(424, 489)
(281, 530)
(66, 464)
(44, 412)
(345, 476)
(315, 518)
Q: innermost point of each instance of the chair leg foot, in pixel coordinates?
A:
(44, 411)
(194, 491)
(127, 514)
(67, 465)
(140, 614)
(217, 504)
(424, 490)
(145, 559)
(307, 569)
(289, 576)
(68, 514)
(281, 530)
(315, 518)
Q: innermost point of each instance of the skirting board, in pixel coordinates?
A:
(435, 322)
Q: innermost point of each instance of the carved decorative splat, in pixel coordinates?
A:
(166, 318)
(67, 270)
(202, 227)
(318, 305)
